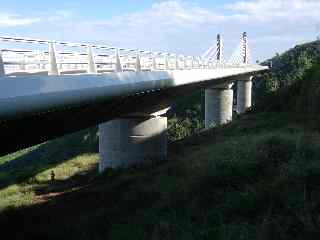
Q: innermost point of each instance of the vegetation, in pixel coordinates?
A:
(287, 69)
(255, 178)
(186, 117)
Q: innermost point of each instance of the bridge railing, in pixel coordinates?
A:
(44, 53)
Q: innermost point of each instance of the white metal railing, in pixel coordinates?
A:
(107, 59)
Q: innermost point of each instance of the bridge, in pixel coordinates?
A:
(51, 88)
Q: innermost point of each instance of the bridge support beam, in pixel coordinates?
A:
(132, 140)
(244, 88)
(218, 105)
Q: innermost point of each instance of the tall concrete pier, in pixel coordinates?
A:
(218, 105)
(244, 89)
(134, 139)
(129, 141)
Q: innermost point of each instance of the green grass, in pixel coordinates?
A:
(25, 193)
(256, 178)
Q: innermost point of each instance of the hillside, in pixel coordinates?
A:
(287, 68)
(255, 178)
(213, 185)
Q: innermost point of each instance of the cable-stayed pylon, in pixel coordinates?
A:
(219, 55)
(241, 55)
(245, 48)
(215, 52)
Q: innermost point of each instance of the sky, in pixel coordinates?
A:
(181, 26)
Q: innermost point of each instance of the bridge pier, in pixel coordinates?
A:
(244, 88)
(218, 105)
(132, 140)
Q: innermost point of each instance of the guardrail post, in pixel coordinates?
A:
(184, 63)
(53, 67)
(154, 63)
(118, 66)
(204, 63)
(2, 71)
(138, 63)
(166, 63)
(212, 64)
(23, 64)
(91, 64)
(177, 63)
(42, 58)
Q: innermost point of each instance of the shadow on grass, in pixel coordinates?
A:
(47, 155)
(84, 206)
(77, 181)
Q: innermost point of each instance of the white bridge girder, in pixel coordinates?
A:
(44, 93)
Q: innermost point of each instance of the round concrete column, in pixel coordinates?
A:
(244, 88)
(218, 106)
(129, 141)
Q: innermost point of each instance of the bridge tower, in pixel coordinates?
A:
(244, 85)
(133, 139)
(219, 49)
(218, 99)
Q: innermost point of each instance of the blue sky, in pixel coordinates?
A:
(186, 27)
(87, 7)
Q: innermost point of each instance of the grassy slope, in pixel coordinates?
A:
(255, 178)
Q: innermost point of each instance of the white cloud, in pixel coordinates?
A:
(273, 11)
(58, 16)
(18, 20)
(166, 25)
(14, 20)
(182, 13)
(167, 13)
